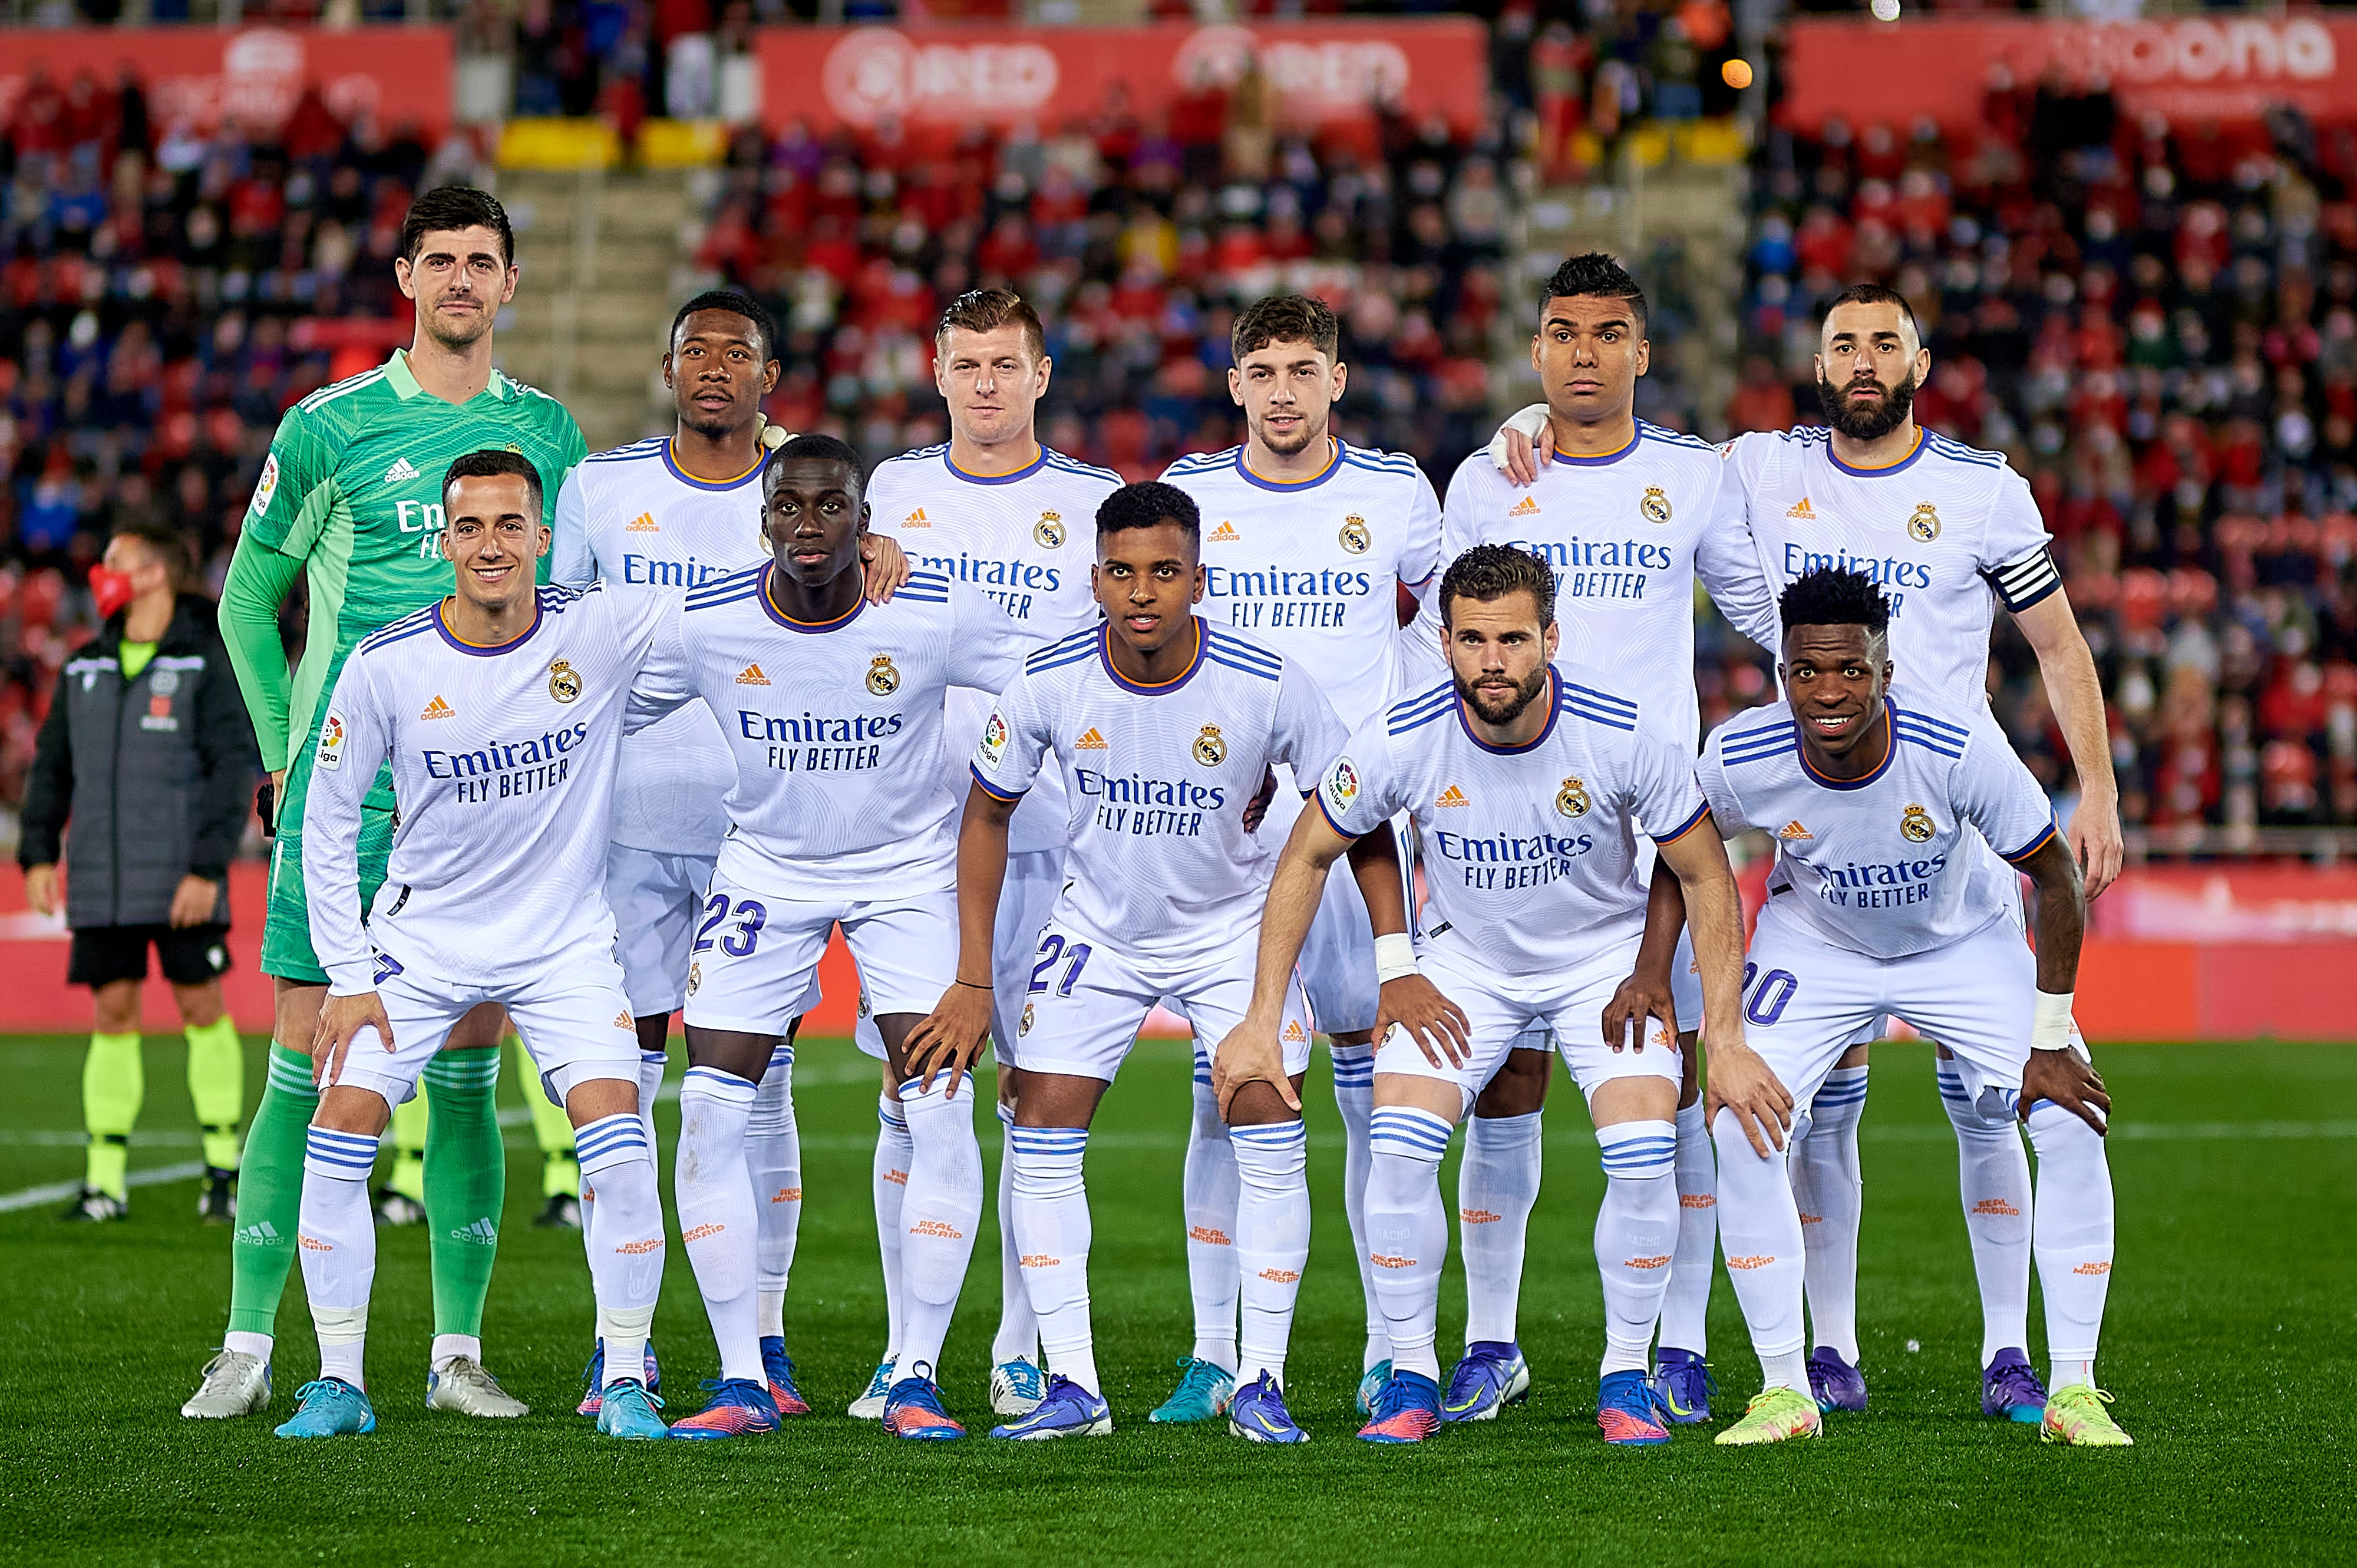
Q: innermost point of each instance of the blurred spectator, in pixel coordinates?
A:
(1137, 238)
(2157, 325)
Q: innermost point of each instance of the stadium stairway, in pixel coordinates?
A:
(1670, 204)
(605, 258)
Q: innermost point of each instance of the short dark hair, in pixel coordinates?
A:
(490, 464)
(164, 541)
(1833, 595)
(736, 302)
(815, 448)
(1873, 294)
(448, 208)
(1286, 318)
(1595, 275)
(1149, 504)
(987, 309)
(1488, 573)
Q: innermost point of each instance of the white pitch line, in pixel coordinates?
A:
(34, 1197)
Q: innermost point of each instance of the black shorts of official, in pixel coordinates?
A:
(190, 954)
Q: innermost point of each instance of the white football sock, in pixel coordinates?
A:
(1407, 1230)
(893, 1157)
(1052, 1226)
(1759, 1231)
(2074, 1235)
(626, 1250)
(247, 1343)
(1829, 1190)
(1354, 1097)
(651, 1077)
(1993, 1179)
(1272, 1240)
(1212, 1190)
(1017, 1338)
(713, 1188)
(1636, 1235)
(938, 1218)
(773, 1155)
(337, 1240)
(449, 1348)
(1685, 1304)
(1497, 1187)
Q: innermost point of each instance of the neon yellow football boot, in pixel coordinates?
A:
(2076, 1415)
(1773, 1415)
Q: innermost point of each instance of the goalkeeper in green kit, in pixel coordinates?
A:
(349, 499)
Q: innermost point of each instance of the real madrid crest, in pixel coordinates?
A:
(1923, 523)
(1572, 799)
(1656, 506)
(564, 682)
(863, 1001)
(1048, 530)
(694, 977)
(883, 677)
(1210, 749)
(1916, 824)
(1023, 1027)
(1354, 535)
(164, 683)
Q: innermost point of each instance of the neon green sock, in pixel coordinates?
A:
(270, 1193)
(412, 1126)
(217, 1087)
(560, 1172)
(465, 1184)
(113, 1082)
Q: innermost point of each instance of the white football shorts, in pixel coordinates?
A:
(1806, 1002)
(1085, 1001)
(754, 964)
(658, 901)
(571, 1013)
(1501, 1008)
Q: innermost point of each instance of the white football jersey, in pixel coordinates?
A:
(1308, 568)
(503, 762)
(835, 727)
(632, 517)
(1529, 853)
(1628, 535)
(1950, 531)
(1889, 864)
(1024, 540)
(1160, 861)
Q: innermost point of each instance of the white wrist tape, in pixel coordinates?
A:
(2050, 1028)
(1394, 956)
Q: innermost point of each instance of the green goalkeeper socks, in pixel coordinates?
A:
(113, 1081)
(407, 1136)
(270, 1193)
(217, 1087)
(465, 1184)
(552, 1128)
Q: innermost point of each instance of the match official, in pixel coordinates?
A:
(147, 756)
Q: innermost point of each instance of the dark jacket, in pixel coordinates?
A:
(156, 773)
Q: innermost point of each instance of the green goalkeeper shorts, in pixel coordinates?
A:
(286, 949)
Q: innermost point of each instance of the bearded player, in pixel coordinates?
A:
(349, 501)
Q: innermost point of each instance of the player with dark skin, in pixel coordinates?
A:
(718, 370)
(1837, 677)
(814, 520)
(1148, 581)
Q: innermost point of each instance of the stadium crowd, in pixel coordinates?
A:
(2159, 328)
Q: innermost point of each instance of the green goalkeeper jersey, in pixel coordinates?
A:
(352, 491)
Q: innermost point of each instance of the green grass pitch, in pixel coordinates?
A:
(2229, 1344)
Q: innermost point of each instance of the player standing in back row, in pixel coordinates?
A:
(654, 519)
(1318, 550)
(349, 501)
(994, 509)
(1627, 516)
